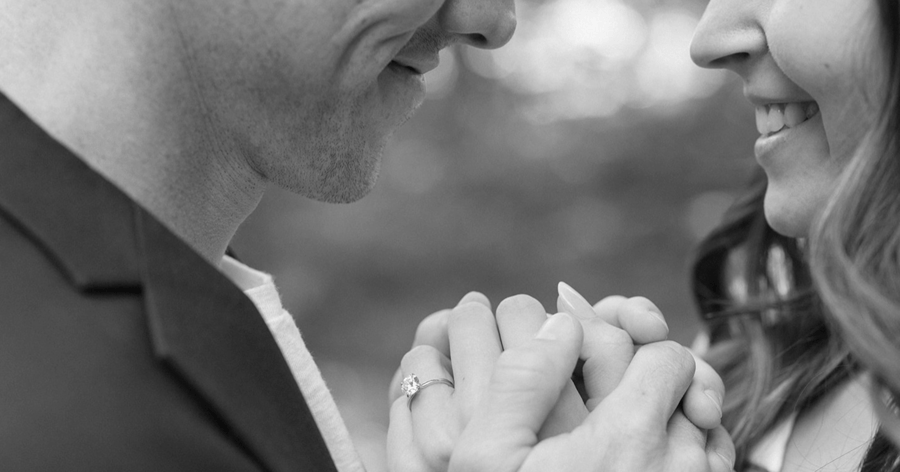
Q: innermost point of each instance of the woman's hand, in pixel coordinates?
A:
(425, 430)
(635, 427)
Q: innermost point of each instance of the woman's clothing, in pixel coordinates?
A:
(768, 454)
(834, 434)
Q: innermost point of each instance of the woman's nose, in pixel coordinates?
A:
(486, 24)
(729, 35)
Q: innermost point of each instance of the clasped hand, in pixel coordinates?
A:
(645, 405)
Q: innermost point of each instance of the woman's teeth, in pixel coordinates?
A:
(771, 119)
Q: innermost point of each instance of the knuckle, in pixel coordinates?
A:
(640, 424)
(636, 306)
(437, 446)
(522, 364)
(416, 355)
(434, 323)
(624, 425)
(679, 356)
(632, 426)
(468, 457)
(617, 337)
(605, 337)
(608, 306)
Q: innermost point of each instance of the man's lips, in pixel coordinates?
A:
(401, 66)
(419, 65)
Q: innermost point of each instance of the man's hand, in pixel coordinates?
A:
(636, 427)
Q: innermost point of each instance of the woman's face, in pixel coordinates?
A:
(815, 71)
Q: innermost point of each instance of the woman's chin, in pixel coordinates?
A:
(788, 216)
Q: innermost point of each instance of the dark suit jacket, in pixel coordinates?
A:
(120, 347)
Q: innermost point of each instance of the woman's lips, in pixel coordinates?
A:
(788, 140)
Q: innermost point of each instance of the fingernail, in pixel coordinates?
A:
(554, 327)
(716, 400)
(573, 303)
(658, 316)
(727, 461)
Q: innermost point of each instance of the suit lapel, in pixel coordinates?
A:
(201, 324)
(213, 335)
(57, 200)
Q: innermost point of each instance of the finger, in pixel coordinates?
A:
(607, 350)
(433, 331)
(402, 453)
(475, 297)
(702, 403)
(607, 353)
(474, 347)
(638, 316)
(526, 383)
(720, 450)
(394, 391)
(426, 363)
(607, 308)
(434, 420)
(686, 445)
(518, 319)
(654, 383)
(700, 345)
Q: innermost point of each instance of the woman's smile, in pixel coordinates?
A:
(779, 141)
(773, 118)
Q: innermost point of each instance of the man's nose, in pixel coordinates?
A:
(729, 36)
(486, 24)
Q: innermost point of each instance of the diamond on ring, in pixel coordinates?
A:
(410, 385)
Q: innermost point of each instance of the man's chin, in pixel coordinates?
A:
(345, 181)
(345, 194)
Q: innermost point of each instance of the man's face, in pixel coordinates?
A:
(309, 91)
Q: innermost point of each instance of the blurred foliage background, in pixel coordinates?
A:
(589, 150)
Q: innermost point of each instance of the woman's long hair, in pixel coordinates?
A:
(855, 246)
(769, 339)
(786, 330)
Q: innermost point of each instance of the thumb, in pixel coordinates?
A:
(526, 384)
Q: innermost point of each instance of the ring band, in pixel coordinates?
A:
(411, 386)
